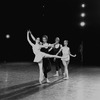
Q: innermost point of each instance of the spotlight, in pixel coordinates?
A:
(7, 36)
(82, 14)
(82, 24)
(83, 5)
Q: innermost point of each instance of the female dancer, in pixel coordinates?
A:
(38, 54)
(66, 53)
(56, 48)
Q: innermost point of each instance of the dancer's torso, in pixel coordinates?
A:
(45, 50)
(65, 51)
(36, 48)
(57, 47)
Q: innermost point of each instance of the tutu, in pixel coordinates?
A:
(39, 56)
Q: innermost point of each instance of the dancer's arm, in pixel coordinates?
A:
(59, 50)
(33, 37)
(29, 39)
(71, 54)
(52, 46)
(44, 46)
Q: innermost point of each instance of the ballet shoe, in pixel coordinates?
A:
(66, 78)
(40, 82)
(47, 81)
(56, 75)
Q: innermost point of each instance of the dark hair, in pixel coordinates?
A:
(45, 36)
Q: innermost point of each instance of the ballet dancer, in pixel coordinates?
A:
(46, 61)
(66, 53)
(38, 54)
(57, 46)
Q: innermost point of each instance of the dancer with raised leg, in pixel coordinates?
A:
(38, 54)
(66, 54)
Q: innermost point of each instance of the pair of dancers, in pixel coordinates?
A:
(39, 55)
(58, 48)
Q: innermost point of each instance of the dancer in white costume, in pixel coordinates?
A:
(38, 54)
(66, 54)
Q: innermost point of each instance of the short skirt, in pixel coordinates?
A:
(39, 56)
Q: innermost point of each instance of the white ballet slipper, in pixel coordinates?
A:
(56, 75)
(66, 78)
(47, 80)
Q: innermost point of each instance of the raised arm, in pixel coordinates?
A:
(29, 39)
(33, 37)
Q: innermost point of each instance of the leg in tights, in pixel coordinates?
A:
(45, 65)
(58, 66)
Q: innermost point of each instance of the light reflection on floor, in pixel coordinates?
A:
(20, 82)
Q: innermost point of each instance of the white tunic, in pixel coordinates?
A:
(65, 52)
(38, 54)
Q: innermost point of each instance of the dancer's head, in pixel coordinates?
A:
(45, 38)
(37, 40)
(57, 40)
(65, 42)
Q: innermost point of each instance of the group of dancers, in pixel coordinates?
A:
(41, 51)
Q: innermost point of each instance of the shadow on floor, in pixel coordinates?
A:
(24, 90)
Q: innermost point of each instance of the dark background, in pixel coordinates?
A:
(57, 18)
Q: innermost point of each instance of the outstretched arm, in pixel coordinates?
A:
(71, 54)
(52, 46)
(29, 39)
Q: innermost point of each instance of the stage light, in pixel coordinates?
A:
(82, 24)
(7, 36)
(83, 5)
(43, 6)
(82, 14)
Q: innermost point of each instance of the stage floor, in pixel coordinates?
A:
(19, 81)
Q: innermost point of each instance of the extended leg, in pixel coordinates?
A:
(51, 56)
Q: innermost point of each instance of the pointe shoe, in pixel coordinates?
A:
(40, 82)
(56, 75)
(66, 78)
(47, 80)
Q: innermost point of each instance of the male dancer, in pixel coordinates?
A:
(46, 61)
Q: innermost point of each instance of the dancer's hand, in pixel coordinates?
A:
(74, 55)
(28, 31)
